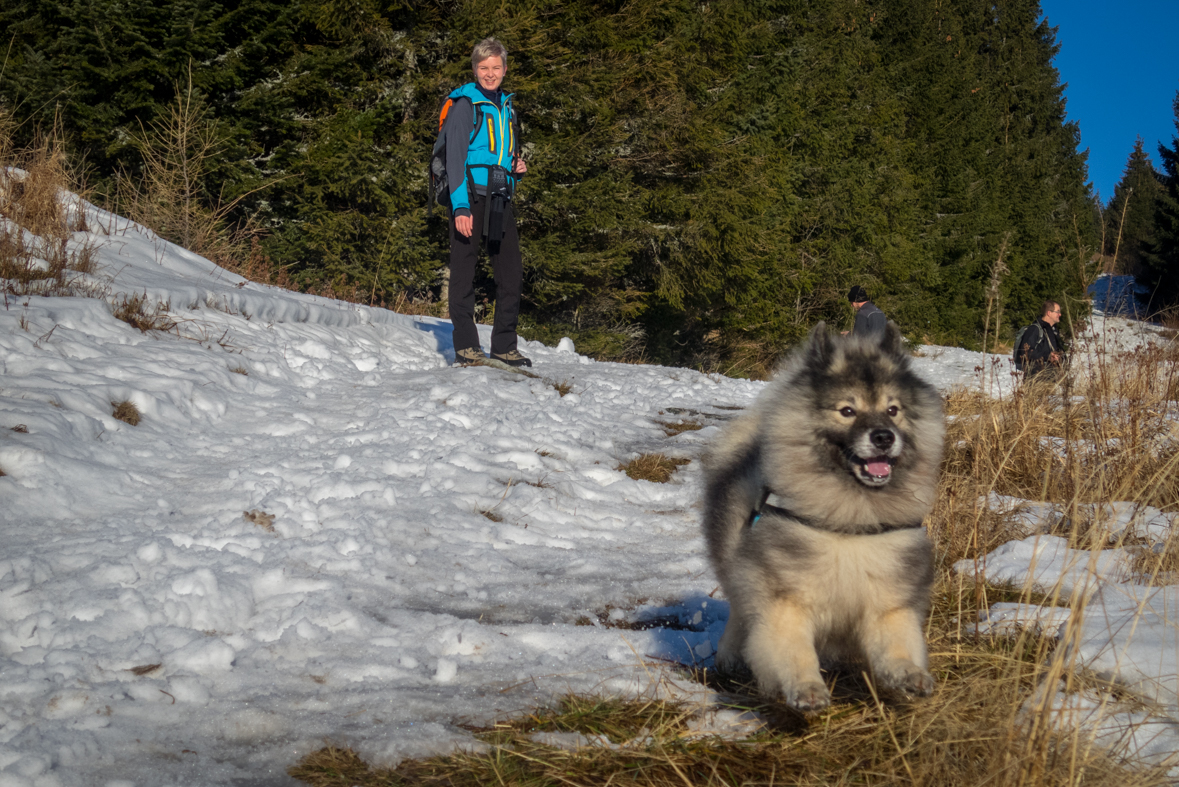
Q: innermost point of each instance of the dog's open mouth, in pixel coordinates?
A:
(875, 471)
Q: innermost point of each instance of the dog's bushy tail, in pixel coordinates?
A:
(733, 489)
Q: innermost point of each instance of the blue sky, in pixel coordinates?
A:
(1120, 60)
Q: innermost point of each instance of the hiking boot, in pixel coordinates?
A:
(512, 358)
(469, 355)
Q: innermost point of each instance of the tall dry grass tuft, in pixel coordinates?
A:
(994, 294)
(38, 218)
(1106, 433)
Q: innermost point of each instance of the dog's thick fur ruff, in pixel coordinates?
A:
(848, 441)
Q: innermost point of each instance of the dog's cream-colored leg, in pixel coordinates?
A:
(781, 652)
(729, 651)
(895, 646)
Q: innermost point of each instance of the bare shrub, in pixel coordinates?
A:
(169, 196)
(176, 150)
(126, 411)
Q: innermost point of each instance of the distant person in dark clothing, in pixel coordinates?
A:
(1040, 346)
(869, 319)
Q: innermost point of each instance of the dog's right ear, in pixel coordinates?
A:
(892, 341)
(819, 346)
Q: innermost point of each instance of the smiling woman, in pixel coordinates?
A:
(489, 63)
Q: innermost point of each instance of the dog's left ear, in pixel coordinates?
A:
(892, 342)
(818, 345)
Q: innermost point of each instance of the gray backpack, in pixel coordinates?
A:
(1016, 354)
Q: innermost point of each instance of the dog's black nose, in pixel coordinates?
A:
(882, 438)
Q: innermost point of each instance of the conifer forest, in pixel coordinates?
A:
(706, 179)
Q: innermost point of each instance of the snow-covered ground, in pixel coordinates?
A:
(321, 531)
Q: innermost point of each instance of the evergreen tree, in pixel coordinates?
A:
(1160, 274)
(1130, 215)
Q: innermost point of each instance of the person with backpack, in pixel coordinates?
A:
(1038, 347)
(478, 150)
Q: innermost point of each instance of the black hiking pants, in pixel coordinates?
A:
(509, 276)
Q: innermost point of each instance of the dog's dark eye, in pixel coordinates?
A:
(893, 411)
(848, 412)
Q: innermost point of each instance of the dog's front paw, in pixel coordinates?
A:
(908, 678)
(919, 684)
(729, 663)
(806, 697)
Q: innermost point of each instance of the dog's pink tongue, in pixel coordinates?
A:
(879, 467)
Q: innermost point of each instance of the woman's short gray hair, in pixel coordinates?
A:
(486, 48)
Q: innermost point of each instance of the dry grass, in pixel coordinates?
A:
(563, 387)
(1169, 319)
(37, 254)
(969, 733)
(421, 307)
(616, 617)
(741, 358)
(135, 311)
(145, 669)
(981, 727)
(673, 428)
(126, 411)
(657, 468)
(1107, 436)
(260, 518)
(1156, 564)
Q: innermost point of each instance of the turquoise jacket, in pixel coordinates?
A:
(471, 151)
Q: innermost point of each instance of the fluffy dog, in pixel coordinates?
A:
(813, 506)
